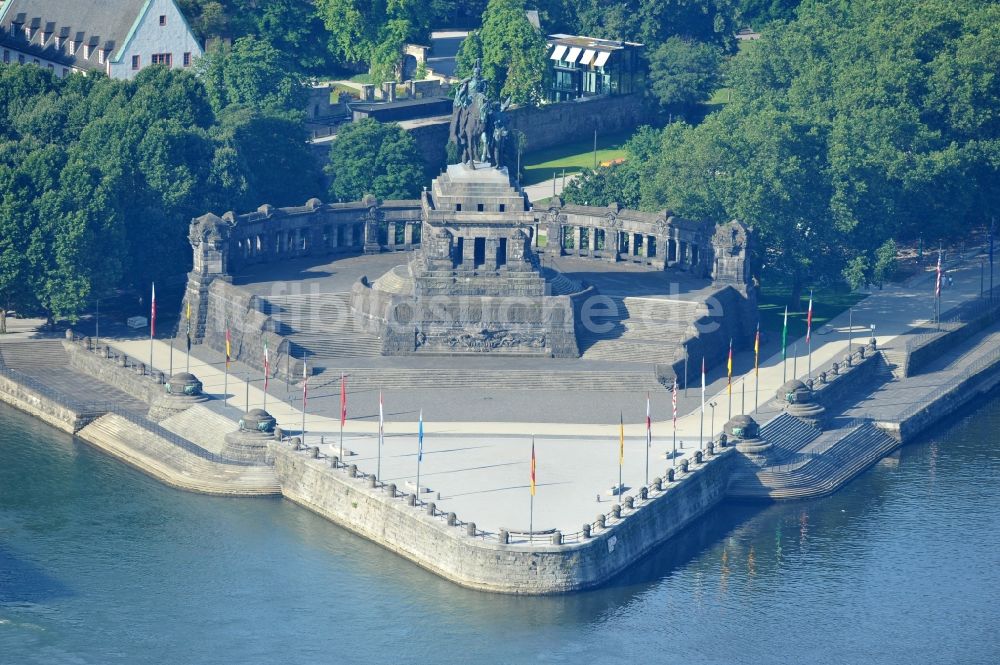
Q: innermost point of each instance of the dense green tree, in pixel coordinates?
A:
(369, 157)
(513, 53)
(605, 185)
(854, 124)
(684, 73)
(375, 31)
(651, 22)
(252, 73)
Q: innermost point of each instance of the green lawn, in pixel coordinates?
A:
(541, 165)
(827, 303)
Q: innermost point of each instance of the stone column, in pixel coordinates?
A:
(408, 235)
(390, 237)
(469, 254)
(490, 260)
(576, 240)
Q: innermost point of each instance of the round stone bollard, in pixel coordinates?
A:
(643, 493)
(352, 471)
(390, 489)
(629, 502)
(314, 452)
(600, 521)
(835, 369)
(847, 360)
(504, 536)
(586, 531)
(670, 475)
(371, 481)
(88, 343)
(616, 511)
(658, 484)
(723, 440)
(140, 369)
(861, 353)
(557, 538)
(278, 434)
(122, 360)
(411, 499)
(69, 334)
(710, 449)
(452, 518)
(822, 378)
(334, 462)
(296, 443)
(160, 377)
(873, 344)
(470, 529)
(431, 507)
(810, 384)
(684, 465)
(697, 457)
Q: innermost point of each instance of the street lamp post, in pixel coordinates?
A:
(712, 435)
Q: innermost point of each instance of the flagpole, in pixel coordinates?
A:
(756, 367)
(225, 385)
(673, 454)
(171, 356)
(152, 328)
(247, 385)
(343, 412)
(378, 464)
(621, 453)
(531, 500)
(729, 385)
(784, 348)
(420, 450)
(809, 344)
(701, 430)
(795, 360)
(305, 389)
(648, 437)
(743, 406)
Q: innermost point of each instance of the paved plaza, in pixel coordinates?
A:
(477, 444)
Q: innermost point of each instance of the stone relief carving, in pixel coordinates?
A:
(481, 340)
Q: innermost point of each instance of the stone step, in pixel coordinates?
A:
(789, 434)
(32, 354)
(173, 465)
(450, 379)
(202, 426)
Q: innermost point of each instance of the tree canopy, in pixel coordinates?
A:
(369, 157)
(99, 178)
(684, 73)
(854, 125)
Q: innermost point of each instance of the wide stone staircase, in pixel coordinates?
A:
(31, 355)
(644, 330)
(201, 426)
(162, 455)
(322, 325)
(490, 380)
(788, 435)
(820, 468)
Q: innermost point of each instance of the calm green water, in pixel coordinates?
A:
(99, 564)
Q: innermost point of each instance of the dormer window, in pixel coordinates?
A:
(163, 19)
(72, 48)
(86, 51)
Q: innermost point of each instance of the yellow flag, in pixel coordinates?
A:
(189, 310)
(621, 439)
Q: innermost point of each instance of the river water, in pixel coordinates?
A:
(100, 564)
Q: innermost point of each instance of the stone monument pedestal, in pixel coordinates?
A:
(743, 432)
(797, 400)
(249, 442)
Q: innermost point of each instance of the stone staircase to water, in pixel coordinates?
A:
(896, 360)
(201, 426)
(822, 467)
(645, 330)
(323, 325)
(31, 355)
(172, 464)
(788, 435)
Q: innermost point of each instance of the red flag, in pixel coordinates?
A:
(343, 399)
(532, 477)
(809, 319)
(674, 400)
(152, 313)
(937, 289)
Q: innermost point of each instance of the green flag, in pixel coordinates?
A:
(784, 336)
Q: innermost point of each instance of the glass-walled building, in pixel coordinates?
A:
(587, 67)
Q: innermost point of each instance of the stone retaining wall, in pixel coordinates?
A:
(40, 406)
(486, 564)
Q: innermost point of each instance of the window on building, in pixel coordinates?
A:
(100, 55)
(72, 47)
(136, 61)
(187, 59)
(6, 56)
(161, 59)
(163, 19)
(20, 59)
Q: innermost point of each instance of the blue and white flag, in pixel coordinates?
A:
(420, 437)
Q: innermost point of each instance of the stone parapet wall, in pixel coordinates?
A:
(108, 370)
(926, 349)
(482, 562)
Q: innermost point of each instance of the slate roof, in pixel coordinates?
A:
(104, 23)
